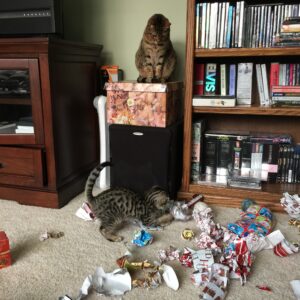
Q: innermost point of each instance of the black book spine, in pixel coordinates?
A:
(210, 155)
(280, 164)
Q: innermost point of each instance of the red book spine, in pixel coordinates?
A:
(199, 79)
(274, 75)
(291, 78)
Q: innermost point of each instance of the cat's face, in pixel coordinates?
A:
(158, 197)
(158, 27)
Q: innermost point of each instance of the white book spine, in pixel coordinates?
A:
(214, 102)
(202, 44)
(284, 75)
(225, 25)
(237, 23)
(260, 85)
(241, 25)
(197, 25)
(207, 24)
(265, 83)
(223, 79)
(222, 25)
(213, 25)
(244, 84)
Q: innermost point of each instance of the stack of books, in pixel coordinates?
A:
(285, 96)
(289, 35)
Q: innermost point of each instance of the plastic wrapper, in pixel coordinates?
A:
(142, 238)
(291, 204)
(151, 280)
(187, 234)
(256, 219)
(182, 211)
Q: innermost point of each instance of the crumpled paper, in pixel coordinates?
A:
(295, 284)
(109, 284)
(291, 204)
(55, 234)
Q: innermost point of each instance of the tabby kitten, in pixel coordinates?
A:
(155, 58)
(118, 205)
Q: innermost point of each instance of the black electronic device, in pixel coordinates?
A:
(146, 156)
(31, 17)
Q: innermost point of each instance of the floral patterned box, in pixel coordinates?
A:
(143, 104)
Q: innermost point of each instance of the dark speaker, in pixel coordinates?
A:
(145, 156)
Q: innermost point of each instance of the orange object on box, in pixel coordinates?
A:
(5, 257)
(143, 104)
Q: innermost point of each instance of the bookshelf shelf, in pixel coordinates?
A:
(15, 101)
(253, 110)
(246, 52)
(254, 118)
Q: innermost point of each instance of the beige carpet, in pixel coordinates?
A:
(55, 267)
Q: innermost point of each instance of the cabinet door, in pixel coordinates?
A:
(21, 116)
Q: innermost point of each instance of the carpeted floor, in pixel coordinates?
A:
(55, 267)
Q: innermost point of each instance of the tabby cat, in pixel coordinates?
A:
(117, 205)
(156, 58)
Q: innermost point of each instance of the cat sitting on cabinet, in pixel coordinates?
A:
(156, 58)
(118, 205)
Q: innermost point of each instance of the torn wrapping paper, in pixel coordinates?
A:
(216, 288)
(239, 259)
(109, 284)
(264, 288)
(291, 204)
(169, 254)
(151, 280)
(85, 212)
(51, 234)
(285, 248)
(295, 284)
(142, 238)
(256, 219)
(186, 258)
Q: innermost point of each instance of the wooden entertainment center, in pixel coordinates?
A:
(50, 166)
(254, 118)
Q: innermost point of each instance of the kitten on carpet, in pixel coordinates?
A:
(156, 58)
(117, 205)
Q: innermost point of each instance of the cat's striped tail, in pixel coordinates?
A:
(92, 179)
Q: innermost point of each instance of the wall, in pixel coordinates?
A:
(119, 24)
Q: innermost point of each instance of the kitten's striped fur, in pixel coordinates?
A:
(117, 205)
(156, 58)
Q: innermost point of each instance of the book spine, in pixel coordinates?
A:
(229, 31)
(215, 102)
(280, 164)
(260, 86)
(210, 79)
(203, 26)
(197, 136)
(237, 157)
(274, 75)
(213, 25)
(246, 158)
(256, 159)
(237, 23)
(287, 98)
(210, 156)
(223, 79)
(241, 25)
(232, 79)
(222, 28)
(283, 94)
(199, 79)
(224, 157)
(197, 25)
(207, 25)
(265, 83)
(244, 83)
(219, 25)
(225, 25)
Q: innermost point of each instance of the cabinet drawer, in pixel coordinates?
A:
(21, 166)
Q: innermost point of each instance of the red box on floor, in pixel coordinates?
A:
(4, 243)
(5, 257)
(143, 104)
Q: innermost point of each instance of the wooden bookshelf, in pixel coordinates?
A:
(254, 118)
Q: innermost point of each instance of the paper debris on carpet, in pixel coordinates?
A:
(51, 234)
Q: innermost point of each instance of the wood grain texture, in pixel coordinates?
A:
(254, 118)
(64, 79)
